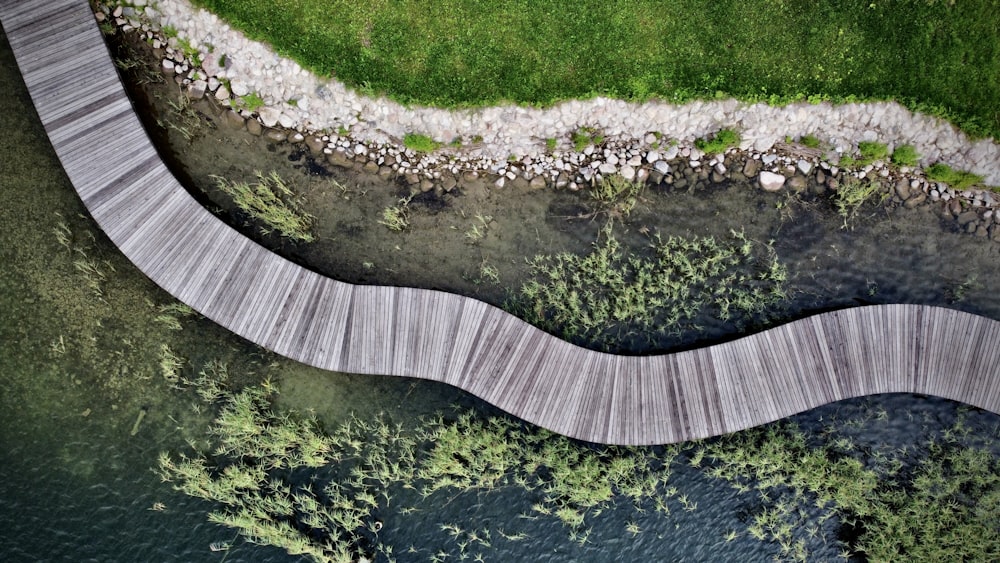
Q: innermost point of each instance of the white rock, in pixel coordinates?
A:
(269, 116)
(168, 66)
(239, 87)
(286, 120)
(768, 158)
(652, 156)
(607, 169)
(222, 93)
(805, 166)
(627, 172)
(770, 181)
(662, 167)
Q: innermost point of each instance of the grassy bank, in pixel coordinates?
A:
(936, 56)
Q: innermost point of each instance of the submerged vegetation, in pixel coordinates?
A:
(854, 193)
(616, 195)
(609, 297)
(396, 217)
(937, 56)
(271, 202)
(280, 480)
(931, 503)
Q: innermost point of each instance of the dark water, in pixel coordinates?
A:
(77, 368)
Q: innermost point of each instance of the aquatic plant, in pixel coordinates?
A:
(170, 364)
(932, 505)
(249, 474)
(472, 453)
(609, 296)
(854, 193)
(271, 202)
(617, 195)
(478, 229)
(279, 480)
(396, 217)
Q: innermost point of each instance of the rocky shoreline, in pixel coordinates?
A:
(534, 149)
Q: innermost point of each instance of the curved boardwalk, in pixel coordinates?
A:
(456, 340)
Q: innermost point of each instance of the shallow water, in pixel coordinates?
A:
(884, 255)
(77, 368)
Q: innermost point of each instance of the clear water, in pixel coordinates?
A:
(77, 368)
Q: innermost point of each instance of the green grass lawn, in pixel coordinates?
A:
(928, 54)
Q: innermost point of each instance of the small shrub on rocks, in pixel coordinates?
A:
(420, 143)
(252, 101)
(957, 179)
(810, 141)
(872, 151)
(722, 140)
(586, 136)
(905, 155)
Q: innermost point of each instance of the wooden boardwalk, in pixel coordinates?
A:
(460, 341)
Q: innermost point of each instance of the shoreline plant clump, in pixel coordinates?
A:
(610, 296)
(271, 202)
(957, 179)
(853, 194)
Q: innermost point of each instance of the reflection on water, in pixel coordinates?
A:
(80, 359)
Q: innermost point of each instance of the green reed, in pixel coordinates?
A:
(272, 202)
(609, 295)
